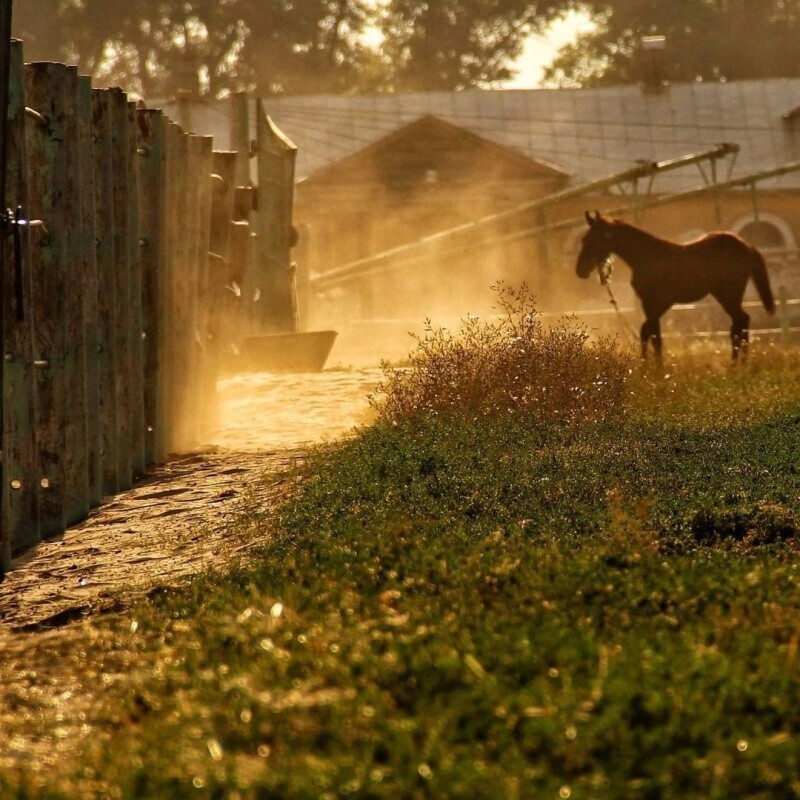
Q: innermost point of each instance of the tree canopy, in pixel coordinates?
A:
(705, 40)
(457, 44)
(208, 47)
(212, 47)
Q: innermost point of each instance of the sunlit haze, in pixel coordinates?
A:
(541, 50)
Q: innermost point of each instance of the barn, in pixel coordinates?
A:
(394, 191)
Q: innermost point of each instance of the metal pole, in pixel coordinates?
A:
(357, 269)
(5, 68)
(373, 263)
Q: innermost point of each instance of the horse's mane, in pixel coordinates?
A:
(641, 235)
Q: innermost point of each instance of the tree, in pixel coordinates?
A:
(457, 44)
(705, 39)
(212, 47)
(207, 47)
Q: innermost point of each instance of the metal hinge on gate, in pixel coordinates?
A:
(12, 224)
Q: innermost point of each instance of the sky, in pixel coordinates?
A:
(540, 50)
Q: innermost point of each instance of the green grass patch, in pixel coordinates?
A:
(488, 604)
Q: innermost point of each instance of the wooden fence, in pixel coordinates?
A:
(119, 269)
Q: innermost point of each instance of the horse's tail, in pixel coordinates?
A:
(758, 272)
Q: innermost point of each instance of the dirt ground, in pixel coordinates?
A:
(173, 522)
(169, 525)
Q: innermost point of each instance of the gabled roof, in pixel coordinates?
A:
(428, 132)
(590, 133)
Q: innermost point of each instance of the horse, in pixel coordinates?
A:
(666, 272)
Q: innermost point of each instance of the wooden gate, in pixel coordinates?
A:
(121, 237)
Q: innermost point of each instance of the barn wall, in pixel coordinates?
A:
(447, 283)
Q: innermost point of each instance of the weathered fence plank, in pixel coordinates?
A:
(122, 283)
(206, 364)
(150, 148)
(19, 526)
(276, 156)
(224, 300)
(187, 292)
(76, 465)
(136, 322)
(186, 287)
(242, 304)
(243, 242)
(180, 298)
(106, 291)
(111, 310)
(88, 283)
(240, 136)
(223, 166)
(51, 90)
(165, 308)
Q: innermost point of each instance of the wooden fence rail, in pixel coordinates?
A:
(119, 283)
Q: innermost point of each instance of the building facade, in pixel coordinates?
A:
(380, 177)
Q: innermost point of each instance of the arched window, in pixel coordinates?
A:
(768, 232)
(763, 234)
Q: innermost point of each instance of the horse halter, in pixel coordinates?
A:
(605, 269)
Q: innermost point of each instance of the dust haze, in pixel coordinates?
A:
(432, 249)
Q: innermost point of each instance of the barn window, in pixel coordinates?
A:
(761, 233)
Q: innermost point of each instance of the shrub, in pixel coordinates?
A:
(508, 364)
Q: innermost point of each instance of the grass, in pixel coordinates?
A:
(467, 602)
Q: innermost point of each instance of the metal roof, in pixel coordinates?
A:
(589, 133)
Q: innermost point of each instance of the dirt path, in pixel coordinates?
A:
(173, 522)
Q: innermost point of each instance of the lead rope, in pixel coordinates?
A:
(604, 271)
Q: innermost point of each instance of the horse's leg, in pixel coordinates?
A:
(740, 333)
(657, 343)
(740, 320)
(651, 332)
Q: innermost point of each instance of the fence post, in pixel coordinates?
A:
(193, 223)
(180, 298)
(206, 376)
(240, 260)
(136, 321)
(122, 283)
(150, 145)
(240, 143)
(240, 136)
(242, 234)
(19, 526)
(106, 304)
(221, 280)
(273, 218)
(94, 472)
(76, 452)
(50, 90)
(166, 322)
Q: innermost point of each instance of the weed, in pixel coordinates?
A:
(512, 364)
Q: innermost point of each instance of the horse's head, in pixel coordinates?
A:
(597, 244)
